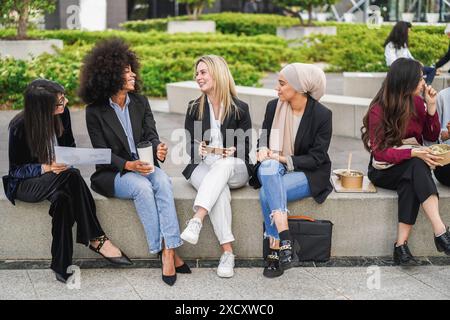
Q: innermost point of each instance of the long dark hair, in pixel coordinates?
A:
(41, 125)
(396, 99)
(101, 76)
(399, 35)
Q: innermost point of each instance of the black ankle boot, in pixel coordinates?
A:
(286, 254)
(402, 255)
(273, 267)
(443, 242)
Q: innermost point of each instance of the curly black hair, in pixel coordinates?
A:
(101, 76)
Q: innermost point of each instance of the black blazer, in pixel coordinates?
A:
(106, 131)
(22, 165)
(310, 147)
(234, 121)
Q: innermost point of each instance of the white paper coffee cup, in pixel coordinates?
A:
(145, 152)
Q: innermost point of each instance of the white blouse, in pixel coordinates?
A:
(216, 139)
(391, 53)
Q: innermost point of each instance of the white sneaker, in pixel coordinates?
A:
(192, 231)
(226, 265)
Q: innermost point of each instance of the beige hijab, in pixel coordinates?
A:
(304, 78)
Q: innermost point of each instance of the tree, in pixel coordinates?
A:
(294, 6)
(18, 13)
(195, 7)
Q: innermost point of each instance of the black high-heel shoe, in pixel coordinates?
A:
(123, 260)
(170, 280)
(184, 268)
(443, 242)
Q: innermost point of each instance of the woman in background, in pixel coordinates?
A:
(396, 46)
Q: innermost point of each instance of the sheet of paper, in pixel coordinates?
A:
(82, 156)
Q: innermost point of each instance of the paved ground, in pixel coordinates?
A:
(429, 283)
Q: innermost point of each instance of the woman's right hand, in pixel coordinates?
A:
(426, 155)
(55, 167)
(263, 154)
(139, 166)
(202, 149)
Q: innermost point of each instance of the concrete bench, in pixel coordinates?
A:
(364, 225)
(347, 111)
(367, 84)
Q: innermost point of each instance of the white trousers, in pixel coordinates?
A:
(213, 183)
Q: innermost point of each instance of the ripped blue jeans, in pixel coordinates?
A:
(278, 188)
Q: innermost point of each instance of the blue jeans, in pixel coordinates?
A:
(278, 188)
(153, 198)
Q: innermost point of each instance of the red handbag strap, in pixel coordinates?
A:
(301, 218)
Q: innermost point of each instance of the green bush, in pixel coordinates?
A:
(13, 80)
(228, 23)
(357, 48)
(262, 57)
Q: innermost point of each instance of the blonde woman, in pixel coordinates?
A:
(219, 154)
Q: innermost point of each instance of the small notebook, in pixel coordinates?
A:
(367, 187)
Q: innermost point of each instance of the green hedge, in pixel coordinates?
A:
(234, 23)
(169, 58)
(163, 59)
(64, 68)
(358, 48)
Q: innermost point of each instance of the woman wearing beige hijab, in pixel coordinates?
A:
(293, 161)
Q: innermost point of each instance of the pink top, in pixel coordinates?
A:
(421, 126)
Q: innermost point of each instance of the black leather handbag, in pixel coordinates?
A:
(311, 239)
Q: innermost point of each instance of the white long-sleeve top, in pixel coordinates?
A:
(391, 53)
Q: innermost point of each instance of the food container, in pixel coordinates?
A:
(441, 150)
(352, 179)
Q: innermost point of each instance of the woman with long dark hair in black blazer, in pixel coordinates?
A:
(34, 176)
(119, 118)
(293, 161)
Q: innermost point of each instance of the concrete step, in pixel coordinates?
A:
(364, 225)
(367, 84)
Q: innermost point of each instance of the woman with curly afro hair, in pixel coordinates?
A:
(119, 118)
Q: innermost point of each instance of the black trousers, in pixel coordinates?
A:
(413, 182)
(71, 201)
(442, 174)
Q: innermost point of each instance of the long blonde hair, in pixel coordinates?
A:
(224, 87)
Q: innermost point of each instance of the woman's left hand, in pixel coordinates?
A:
(161, 151)
(430, 99)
